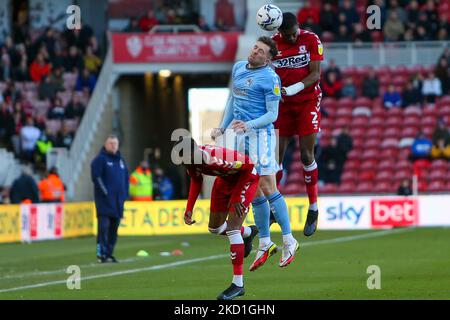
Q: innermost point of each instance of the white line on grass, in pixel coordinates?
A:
(189, 261)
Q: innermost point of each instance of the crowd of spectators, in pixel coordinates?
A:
(401, 20)
(180, 12)
(45, 76)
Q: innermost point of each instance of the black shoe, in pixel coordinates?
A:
(272, 218)
(248, 242)
(111, 259)
(101, 259)
(311, 223)
(231, 292)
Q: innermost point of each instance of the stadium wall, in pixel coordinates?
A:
(36, 222)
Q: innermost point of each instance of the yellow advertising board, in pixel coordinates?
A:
(166, 217)
(78, 219)
(10, 223)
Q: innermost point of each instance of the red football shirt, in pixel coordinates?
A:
(229, 165)
(292, 63)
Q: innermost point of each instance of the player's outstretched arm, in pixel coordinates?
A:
(194, 190)
(310, 79)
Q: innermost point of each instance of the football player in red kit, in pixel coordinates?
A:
(298, 66)
(232, 193)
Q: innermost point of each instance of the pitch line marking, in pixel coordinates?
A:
(189, 261)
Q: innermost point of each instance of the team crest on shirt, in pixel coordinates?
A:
(276, 89)
(302, 49)
(237, 165)
(122, 165)
(320, 49)
(249, 81)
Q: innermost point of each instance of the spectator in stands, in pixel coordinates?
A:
(432, 16)
(47, 89)
(29, 135)
(401, 12)
(78, 37)
(11, 92)
(441, 133)
(371, 85)
(6, 125)
(91, 61)
(308, 11)
(344, 142)
(24, 189)
(141, 183)
(405, 188)
(443, 27)
(393, 28)
(332, 67)
(51, 188)
(73, 63)
(440, 150)
(311, 26)
(5, 64)
(64, 137)
(431, 88)
(411, 95)
(147, 22)
(351, 15)
(331, 163)
(164, 189)
(413, 14)
(423, 29)
(57, 78)
(343, 34)
(327, 17)
(349, 89)
(421, 147)
(392, 98)
(39, 68)
(202, 24)
(21, 72)
(44, 145)
(75, 108)
(331, 86)
(361, 34)
(442, 72)
(57, 110)
(133, 26)
(86, 80)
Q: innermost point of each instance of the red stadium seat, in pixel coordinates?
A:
(428, 120)
(357, 132)
(347, 187)
(389, 142)
(378, 112)
(368, 164)
(428, 131)
(410, 132)
(373, 143)
(402, 174)
(376, 121)
(394, 121)
(367, 175)
(434, 112)
(328, 188)
(403, 153)
(294, 177)
(383, 187)
(437, 174)
(444, 110)
(354, 154)
(411, 121)
(412, 110)
(385, 175)
(349, 176)
(395, 112)
(389, 153)
(370, 154)
(374, 133)
(345, 103)
(351, 164)
(438, 165)
(344, 111)
(437, 186)
(363, 102)
(365, 187)
(329, 103)
(387, 164)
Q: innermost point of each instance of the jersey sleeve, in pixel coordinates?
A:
(316, 48)
(272, 89)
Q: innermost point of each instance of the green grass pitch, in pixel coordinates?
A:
(414, 264)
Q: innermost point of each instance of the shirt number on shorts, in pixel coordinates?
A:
(314, 119)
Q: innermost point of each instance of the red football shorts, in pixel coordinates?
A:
(300, 119)
(223, 190)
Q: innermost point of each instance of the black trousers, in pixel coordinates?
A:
(107, 235)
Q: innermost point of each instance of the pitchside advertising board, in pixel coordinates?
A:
(55, 221)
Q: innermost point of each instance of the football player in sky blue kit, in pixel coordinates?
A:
(249, 115)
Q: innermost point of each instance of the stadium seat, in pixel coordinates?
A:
(376, 121)
(363, 102)
(383, 187)
(362, 111)
(373, 143)
(366, 175)
(349, 176)
(393, 121)
(437, 186)
(434, 112)
(428, 120)
(357, 132)
(296, 166)
(402, 174)
(410, 132)
(378, 112)
(370, 154)
(389, 142)
(345, 103)
(368, 164)
(351, 164)
(365, 187)
(403, 153)
(428, 130)
(389, 153)
(386, 164)
(347, 187)
(438, 165)
(411, 121)
(328, 188)
(437, 174)
(412, 110)
(394, 112)
(384, 175)
(329, 103)
(374, 133)
(354, 154)
(294, 177)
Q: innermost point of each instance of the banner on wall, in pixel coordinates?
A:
(78, 219)
(166, 217)
(10, 223)
(344, 213)
(186, 47)
(394, 212)
(41, 221)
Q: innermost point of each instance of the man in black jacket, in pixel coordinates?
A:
(110, 177)
(24, 188)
